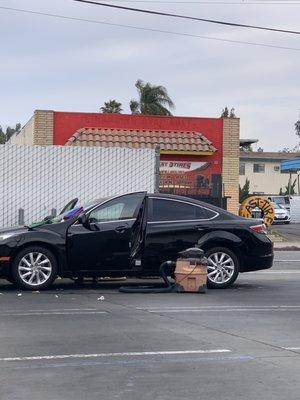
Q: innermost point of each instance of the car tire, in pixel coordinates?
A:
(224, 269)
(34, 268)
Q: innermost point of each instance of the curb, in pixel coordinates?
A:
(287, 246)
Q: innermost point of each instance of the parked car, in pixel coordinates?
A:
(282, 215)
(283, 201)
(131, 235)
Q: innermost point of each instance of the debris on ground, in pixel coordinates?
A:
(101, 298)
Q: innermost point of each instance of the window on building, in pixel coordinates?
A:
(259, 168)
(276, 168)
(242, 168)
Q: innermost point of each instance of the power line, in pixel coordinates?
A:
(64, 17)
(160, 13)
(241, 3)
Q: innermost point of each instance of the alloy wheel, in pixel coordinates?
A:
(34, 268)
(221, 268)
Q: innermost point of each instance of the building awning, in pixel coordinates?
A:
(169, 142)
(291, 165)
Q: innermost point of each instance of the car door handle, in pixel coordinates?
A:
(121, 228)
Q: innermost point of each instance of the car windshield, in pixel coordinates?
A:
(281, 200)
(278, 206)
(69, 214)
(55, 220)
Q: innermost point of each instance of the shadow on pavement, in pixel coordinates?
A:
(68, 286)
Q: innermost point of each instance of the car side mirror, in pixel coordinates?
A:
(83, 220)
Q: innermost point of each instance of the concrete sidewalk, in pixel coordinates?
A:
(289, 233)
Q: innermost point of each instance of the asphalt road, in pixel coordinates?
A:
(291, 231)
(73, 344)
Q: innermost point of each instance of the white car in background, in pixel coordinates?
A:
(282, 215)
(283, 201)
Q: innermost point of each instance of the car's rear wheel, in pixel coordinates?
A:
(34, 268)
(223, 269)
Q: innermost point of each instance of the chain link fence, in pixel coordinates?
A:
(37, 181)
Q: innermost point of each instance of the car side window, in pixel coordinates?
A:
(125, 207)
(170, 210)
(209, 214)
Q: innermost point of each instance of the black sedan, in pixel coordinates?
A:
(131, 235)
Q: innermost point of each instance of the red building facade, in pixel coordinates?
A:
(208, 170)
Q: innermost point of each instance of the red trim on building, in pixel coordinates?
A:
(67, 123)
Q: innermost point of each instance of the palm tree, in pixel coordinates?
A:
(228, 114)
(153, 100)
(225, 113)
(111, 107)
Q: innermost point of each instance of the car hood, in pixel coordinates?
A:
(58, 229)
(8, 233)
(281, 212)
(14, 229)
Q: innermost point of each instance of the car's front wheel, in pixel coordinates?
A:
(34, 268)
(223, 269)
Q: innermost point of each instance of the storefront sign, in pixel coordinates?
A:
(181, 166)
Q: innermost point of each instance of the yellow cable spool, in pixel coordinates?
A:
(263, 204)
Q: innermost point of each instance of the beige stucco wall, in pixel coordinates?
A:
(268, 182)
(26, 135)
(38, 130)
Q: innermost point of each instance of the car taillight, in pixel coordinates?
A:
(261, 228)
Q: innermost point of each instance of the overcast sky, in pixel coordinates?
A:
(50, 63)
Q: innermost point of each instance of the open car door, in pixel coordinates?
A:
(105, 242)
